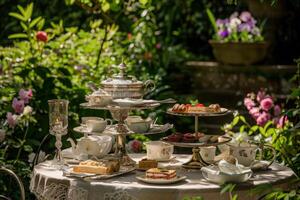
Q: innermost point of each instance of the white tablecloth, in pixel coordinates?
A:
(52, 185)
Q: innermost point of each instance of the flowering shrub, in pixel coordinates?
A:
(237, 28)
(262, 108)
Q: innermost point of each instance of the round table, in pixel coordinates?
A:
(50, 184)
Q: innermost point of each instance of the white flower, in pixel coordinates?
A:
(27, 110)
(234, 22)
(42, 157)
(2, 135)
(240, 137)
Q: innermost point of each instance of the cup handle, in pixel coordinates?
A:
(109, 121)
(273, 152)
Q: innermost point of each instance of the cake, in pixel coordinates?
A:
(189, 138)
(157, 173)
(95, 167)
(147, 164)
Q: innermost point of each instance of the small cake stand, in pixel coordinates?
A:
(197, 161)
(120, 114)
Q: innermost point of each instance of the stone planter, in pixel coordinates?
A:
(239, 53)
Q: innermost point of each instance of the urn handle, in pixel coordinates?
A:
(149, 86)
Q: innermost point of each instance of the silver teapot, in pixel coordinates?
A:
(122, 86)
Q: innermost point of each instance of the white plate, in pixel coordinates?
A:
(161, 181)
(90, 176)
(133, 102)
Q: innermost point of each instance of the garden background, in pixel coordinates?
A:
(155, 38)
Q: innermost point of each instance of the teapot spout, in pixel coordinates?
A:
(72, 144)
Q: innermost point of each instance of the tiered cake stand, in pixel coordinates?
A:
(196, 161)
(120, 114)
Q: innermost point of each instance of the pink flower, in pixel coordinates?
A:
(249, 103)
(11, 119)
(18, 105)
(260, 95)
(254, 112)
(263, 118)
(158, 46)
(245, 16)
(267, 103)
(282, 121)
(277, 110)
(41, 36)
(129, 36)
(25, 95)
(135, 146)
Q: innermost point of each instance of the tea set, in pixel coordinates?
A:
(120, 94)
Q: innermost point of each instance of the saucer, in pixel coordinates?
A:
(83, 129)
(163, 160)
(161, 181)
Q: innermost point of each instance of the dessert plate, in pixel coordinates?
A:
(161, 181)
(83, 129)
(68, 172)
(221, 112)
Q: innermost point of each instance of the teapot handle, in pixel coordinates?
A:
(149, 86)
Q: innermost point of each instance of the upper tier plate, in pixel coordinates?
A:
(223, 111)
(114, 107)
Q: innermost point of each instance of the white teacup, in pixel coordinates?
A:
(97, 125)
(246, 153)
(208, 153)
(85, 119)
(138, 124)
(158, 150)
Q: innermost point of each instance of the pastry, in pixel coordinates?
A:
(198, 108)
(189, 138)
(175, 137)
(147, 164)
(179, 108)
(156, 173)
(95, 167)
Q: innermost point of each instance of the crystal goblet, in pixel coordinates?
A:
(58, 125)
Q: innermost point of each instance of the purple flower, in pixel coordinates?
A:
(263, 118)
(277, 110)
(244, 27)
(11, 119)
(223, 33)
(18, 105)
(25, 95)
(267, 103)
(282, 121)
(222, 22)
(246, 16)
(249, 103)
(254, 112)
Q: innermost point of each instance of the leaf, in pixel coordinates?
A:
(144, 2)
(69, 2)
(235, 120)
(28, 148)
(17, 15)
(34, 22)
(40, 24)
(17, 35)
(28, 11)
(235, 197)
(64, 71)
(227, 188)
(105, 6)
(212, 20)
(21, 9)
(24, 26)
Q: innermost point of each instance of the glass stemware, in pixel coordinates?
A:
(58, 125)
